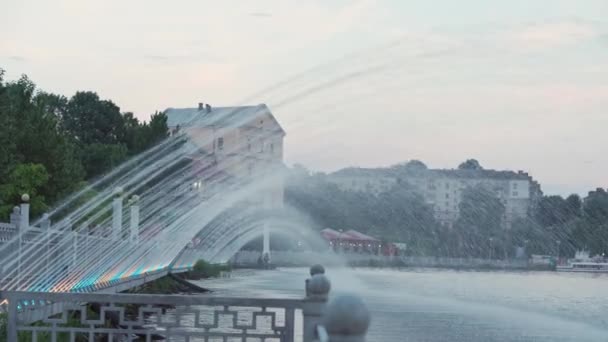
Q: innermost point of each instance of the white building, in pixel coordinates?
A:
(443, 188)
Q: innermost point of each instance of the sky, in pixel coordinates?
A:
(520, 85)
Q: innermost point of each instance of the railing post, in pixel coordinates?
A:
(15, 217)
(346, 319)
(12, 320)
(45, 226)
(117, 214)
(317, 291)
(24, 224)
(134, 227)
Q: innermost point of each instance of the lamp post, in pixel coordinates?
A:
(558, 242)
(490, 251)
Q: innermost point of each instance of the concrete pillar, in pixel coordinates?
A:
(24, 222)
(15, 217)
(266, 228)
(134, 226)
(266, 240)
(317, 291)
(117, 214)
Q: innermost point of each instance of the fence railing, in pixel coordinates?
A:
(144, 317)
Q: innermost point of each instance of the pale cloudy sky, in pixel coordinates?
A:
(515, 84)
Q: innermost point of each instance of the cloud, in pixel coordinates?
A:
(261, 14)
(16, 58)
(551, 34)
(180, 59)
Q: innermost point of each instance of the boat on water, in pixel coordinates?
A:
(583, 263)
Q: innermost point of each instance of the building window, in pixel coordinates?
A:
(248, 145)
(220, 143)
(514, 193)
(250, 169)
(514, 185)
(447, 185)
(261, 146)
(271, 148)
(447, 196)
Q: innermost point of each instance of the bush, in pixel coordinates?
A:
(203, 269)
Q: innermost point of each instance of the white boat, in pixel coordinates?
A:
(583, 263)
(588, 266)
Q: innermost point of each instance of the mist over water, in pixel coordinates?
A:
(445, 305)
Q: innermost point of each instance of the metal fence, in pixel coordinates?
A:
(141, 317)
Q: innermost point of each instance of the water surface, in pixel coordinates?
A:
(446, 305)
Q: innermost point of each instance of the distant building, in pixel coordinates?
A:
(443, 188)
(233, 144)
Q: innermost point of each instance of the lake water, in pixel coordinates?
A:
(446, 305)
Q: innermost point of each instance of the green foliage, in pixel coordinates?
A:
(563, 226)
(203, 269)
(479, 228)
(470, 164)
(99, 158)
(73, 139)
(24, 179)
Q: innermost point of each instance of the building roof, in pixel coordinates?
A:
(364, 172)
(330, 234)
(217, 116)
(351, 235)
(446, 173)
(355, 235)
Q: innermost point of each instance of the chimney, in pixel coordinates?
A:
(208, 108)
(200, 106)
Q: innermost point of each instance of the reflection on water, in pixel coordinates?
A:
(445, 305)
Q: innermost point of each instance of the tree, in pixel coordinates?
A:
(156, 130)
(596, 207)
(470, 164)
(31, 134)
(24, 179)
(480, 223)
(100, 158)
(553, 211)
(91, 120)
(575, 205)
(413, 165)
(71, 139)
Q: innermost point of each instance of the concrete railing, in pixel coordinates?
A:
(129, 317)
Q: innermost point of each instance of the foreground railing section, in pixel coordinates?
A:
(39, 316)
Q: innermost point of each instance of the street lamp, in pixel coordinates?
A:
(490, 252)
(558, 245)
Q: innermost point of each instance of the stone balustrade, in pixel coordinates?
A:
(129, 317)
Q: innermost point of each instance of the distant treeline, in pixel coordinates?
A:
(50, 145)
(555, 225)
